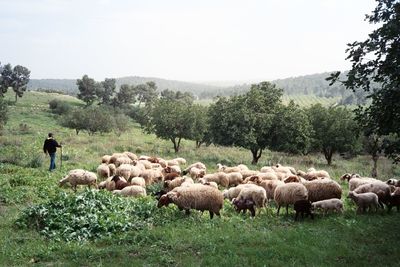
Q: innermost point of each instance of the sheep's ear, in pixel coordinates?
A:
(233, 200)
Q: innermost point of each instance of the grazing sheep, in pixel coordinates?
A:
(364, 200)
(119, 183)
(268, 176)
(303, 207)
(79, 177)
(171, 176)
(256, 194)
(128, 171)
(355, 180)
(181, 161)
(394, 200)
(312, 175)
(105, 159)
(138, 181)
(248, 173)
(287, 194)
(267, 169)
(188, 182)
(270, 186)
(255, 179)
(292, 179)
(114, 157)
(242, 167)
(285, 169)
(171, 184)
(220, 178)
(381, 189)
(235, 178)
(198, 165)
(244, 205)
(113, 169)
(196, 173)
(393, 182)
(151, 176)
(323, 189)
(212, 184)
(145, 163)
(328, 204)
(233, 192)
(130, 155)
(103, 171)
(131, 191)
(226, 169)
(122, 160)
(199, 197)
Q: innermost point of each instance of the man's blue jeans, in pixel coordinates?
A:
(52, 161)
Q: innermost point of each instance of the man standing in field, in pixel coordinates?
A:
(50, 146)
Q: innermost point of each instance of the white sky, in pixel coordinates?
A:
(191, 40)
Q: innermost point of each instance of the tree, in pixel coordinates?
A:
(19, 80)
(375, 69)
(3, 113)
(126, 95)
(106, 91)
(75, 119)
(146, 93)
(171, 120)
(185, 97)
(292, 130)
(200, 130)
(87, 89)
(246, 120)
(334, 130)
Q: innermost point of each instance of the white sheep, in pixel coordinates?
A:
(256, 194)
(328, 204)
(197, 196)
(79, 177)
(235, 178)
(233, 192)
(138, 181)
(220, 178)
(364, 200)
(287, 194)
(131, 191)
(103, 171)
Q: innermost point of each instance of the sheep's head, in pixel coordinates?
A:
(391, 181)
(292, 179)
(167, 169)
(62, 181)
(346, 176)
(312, 177)
(164, 200)
(350, 195)
(115, 178)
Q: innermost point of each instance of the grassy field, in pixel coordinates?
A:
(175, 239)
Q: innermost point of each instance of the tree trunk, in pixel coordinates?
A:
(374, 172)
(176, 144)
(16, 97)
(198, 144)
(328, 152)
(256, 155)
(77, 131)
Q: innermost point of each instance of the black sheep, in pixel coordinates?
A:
(244, 204)
(303, 207)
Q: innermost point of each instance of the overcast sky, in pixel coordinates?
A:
(188, 40)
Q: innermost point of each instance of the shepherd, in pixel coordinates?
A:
(50, 147)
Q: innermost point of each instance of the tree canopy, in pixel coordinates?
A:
(376, 70)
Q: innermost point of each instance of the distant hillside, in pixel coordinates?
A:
(314, 85)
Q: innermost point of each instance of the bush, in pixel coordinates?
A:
(3, 114)
(93, 214)
(59, 107)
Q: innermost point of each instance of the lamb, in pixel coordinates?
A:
(199, 197)
(328, 204)
(381, 189)
(131, 191)
(196, 173)
(394, 200)
(323, 189)
(287, 194)
(151, 176)
(303, 207)
(243, 205)
(79, 177)
(256, 194)
(364, 200)
(103, 171)
(220, 178)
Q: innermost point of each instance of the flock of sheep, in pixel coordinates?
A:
(193, 188)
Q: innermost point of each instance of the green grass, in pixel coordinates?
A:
(177, 240)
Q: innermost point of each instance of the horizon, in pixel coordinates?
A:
(206, 42)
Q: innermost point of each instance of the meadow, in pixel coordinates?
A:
(167, 237)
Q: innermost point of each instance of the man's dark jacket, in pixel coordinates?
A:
(50, 145)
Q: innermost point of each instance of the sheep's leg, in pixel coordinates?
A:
(295, 217)
(381, 204)
(187, 212)
(279, 207)
(311, 215)
(252, 211)
(287, 209)
(211, 214)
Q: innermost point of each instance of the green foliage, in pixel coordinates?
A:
(3, 114)
(334, 130)
(91, 214)
(75, 119)
(375, 69)
(246, 120)
(17, 78)
(87, 89)
(59, 107)
(292, 130)
(106, 91)
(171, 120)
(122, 123)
